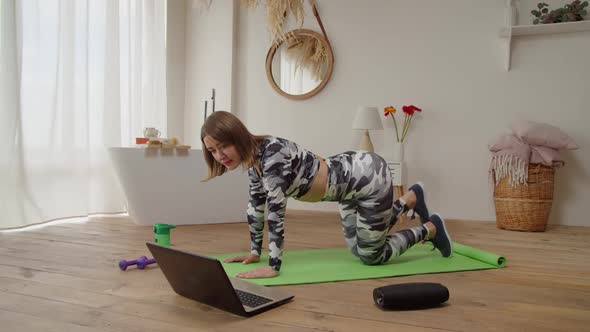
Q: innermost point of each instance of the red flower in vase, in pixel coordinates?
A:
(409, 110)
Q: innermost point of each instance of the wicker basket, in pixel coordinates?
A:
(525, 207)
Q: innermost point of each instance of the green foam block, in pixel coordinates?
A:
(338, 264)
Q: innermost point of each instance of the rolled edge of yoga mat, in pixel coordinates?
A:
(414, 295)
(480, 255)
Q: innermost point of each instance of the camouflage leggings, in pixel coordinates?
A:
(362, 184)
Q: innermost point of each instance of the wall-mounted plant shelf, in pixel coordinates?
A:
(545, 29)
(512, 30)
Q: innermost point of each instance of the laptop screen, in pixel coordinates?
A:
(197, 277)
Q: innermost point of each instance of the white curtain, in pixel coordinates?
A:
(293, 79)
(77, 77)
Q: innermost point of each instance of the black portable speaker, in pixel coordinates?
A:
(416, 295)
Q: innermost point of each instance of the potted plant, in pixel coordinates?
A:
(572, 12)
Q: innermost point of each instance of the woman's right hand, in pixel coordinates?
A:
(244, 259)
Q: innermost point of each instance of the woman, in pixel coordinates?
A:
(360, 181)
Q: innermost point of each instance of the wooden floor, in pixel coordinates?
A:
(65, 278)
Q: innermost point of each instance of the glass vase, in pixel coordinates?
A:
(398, 151)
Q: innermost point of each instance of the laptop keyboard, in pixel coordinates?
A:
(251, 300)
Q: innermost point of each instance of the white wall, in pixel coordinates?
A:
(175, 65)
(443, 56)
(209, 61)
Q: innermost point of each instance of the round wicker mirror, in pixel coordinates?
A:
(301, 65)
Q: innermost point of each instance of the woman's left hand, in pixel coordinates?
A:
(261, 272)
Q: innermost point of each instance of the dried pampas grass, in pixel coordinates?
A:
(250, 3)
(308, 52)
(277, 13)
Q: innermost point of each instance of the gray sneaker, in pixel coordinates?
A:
(420, 207)
(442, 240)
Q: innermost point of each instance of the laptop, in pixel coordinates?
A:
(203, 279)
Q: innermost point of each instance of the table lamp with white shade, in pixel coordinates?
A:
(367, 118)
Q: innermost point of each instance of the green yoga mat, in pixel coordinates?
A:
(325, 265)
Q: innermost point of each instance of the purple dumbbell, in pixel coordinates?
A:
(143, 261)
(123, 264)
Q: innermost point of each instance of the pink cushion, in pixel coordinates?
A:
(542, 134)
(505, 141)
(546, 156)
